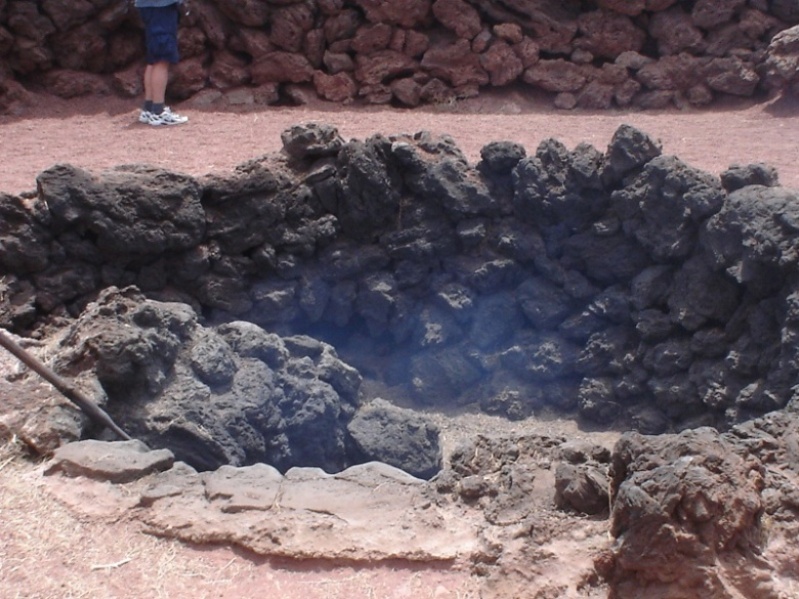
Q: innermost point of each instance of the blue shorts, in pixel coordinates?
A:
(161, 33)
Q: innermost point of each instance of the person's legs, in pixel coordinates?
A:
(161, 26)
(156, 77)
(148, 91)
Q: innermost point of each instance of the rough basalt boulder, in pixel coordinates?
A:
(781, 68)
(230, 395)
(686, 517)
(750, 213)
(397, 437)
(25, 238)
(169, 219)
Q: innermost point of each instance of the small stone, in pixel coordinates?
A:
(116, 462)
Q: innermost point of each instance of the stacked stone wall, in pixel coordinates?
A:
(593, 54)
(618, 284)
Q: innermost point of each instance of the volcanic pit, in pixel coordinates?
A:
(306, 310)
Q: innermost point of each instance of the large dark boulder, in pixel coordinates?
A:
(559, 186)
(686, 516)
(664, 206)
(398, 437)
(753, 234)
(738, 176)
(450, 182)
(701, 295)
(243, 208)
(441, 376)
(368, 199)
(134, 210)
(232, 395)
(311, 140)
(629, 150)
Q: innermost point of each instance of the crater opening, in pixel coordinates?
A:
(394, 280)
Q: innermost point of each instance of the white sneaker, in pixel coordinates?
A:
(167, 117)
(144, 116)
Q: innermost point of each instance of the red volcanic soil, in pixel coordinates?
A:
(101, 132)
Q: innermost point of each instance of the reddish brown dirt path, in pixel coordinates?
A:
(103, 132)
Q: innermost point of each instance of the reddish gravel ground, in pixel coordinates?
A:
(98, 133)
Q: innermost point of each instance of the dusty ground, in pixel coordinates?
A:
(103, 132)
(49, 550)
(75, 538)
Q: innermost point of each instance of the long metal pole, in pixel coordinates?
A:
(73, 394)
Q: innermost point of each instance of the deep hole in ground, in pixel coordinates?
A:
(234, 318)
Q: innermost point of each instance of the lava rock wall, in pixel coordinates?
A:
(594, 54)
(621, 284)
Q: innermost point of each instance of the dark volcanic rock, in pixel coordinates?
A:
(24, 240)
(665, 205)
(176, 384)
(738, 176)
(397, 437)
(312, 140)
(625, 285)
(628, 150)
(131, 210)
(686, 514)
(766, 214)
(371, 199)
(501, 157)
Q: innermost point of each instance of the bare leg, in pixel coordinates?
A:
(156, 77)
(148, 92)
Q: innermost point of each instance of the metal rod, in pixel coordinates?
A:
(73, 394)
